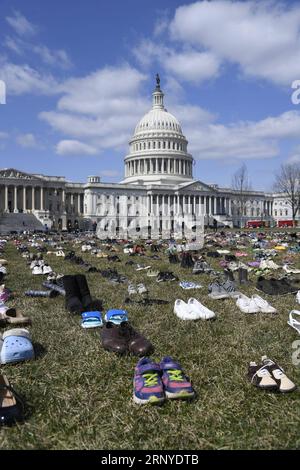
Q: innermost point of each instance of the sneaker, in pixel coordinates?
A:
(263, 305)
(152, 273)
(176, 383)
(142, 289)
(47, 269)
(131, 289)
(189, 285)
(216, 291)
(298, 297)
(147, 384)
(37, 270)
(247, 304)
(284, 384)
(185, 311)
(204, 312)
(261, 377)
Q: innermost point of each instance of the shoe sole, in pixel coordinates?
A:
(153, 400)
(180, 395)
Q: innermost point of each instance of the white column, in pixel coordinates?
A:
(33, 198)
(24, 199)
(63, 200)
(78, 203)
(156, 165)
(5, 198)
(178, 205)
(16, 199)
(42, 198)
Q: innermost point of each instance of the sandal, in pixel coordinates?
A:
(293, 322)
(11, 404)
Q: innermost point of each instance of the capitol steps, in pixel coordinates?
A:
(19, 222)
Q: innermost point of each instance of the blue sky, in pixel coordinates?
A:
(79, 76)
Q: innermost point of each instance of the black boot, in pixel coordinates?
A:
(229, 275)
(243, 276)
(73, 302)
(84, 290)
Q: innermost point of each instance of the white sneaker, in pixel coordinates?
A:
(185, 311)
(263, 305)
(272, 265)
(298, 297)
(33, 264)
(37, 270)
(247, 305)
(263, 264)
(290, 270)
(47, 269)
(204, 312)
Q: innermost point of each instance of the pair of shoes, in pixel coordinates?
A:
(189, 285)
(222, 290)
(242, 275)
(254, 304)
(153, 383)
(269, 376)
(201, 267)
(11, 404)
(94, 319)
(139, 289)
(122, 338)
(166, 276)
(16, 346)
(192, 310)
(45, 269)
(78, 297)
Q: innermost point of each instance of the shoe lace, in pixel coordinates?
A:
(176, 375)
(151, 379)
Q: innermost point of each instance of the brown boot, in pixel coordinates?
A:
(114, 339)
(138, 344)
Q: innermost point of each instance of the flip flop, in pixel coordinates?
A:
(91, 320)
(293, 322)
(116, 316)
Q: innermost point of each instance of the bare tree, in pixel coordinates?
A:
(241, 185)
(287, 181)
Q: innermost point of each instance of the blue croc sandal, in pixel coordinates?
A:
(91, 320)
(116, 316)
(16, 346)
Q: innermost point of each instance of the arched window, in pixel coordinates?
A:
(154, 145)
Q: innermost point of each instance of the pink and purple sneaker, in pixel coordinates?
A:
(176, 383)
(148, 386)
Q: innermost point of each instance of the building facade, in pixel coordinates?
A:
(158, 188)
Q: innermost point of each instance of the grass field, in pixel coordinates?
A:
(80, 396)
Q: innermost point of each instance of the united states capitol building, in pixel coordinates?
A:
(158, 188)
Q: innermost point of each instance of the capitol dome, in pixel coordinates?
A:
(158, 148)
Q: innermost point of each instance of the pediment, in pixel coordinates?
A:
(196, 186)
(16, 174)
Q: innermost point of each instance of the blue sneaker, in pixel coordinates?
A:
(148, 386)
(176, 383)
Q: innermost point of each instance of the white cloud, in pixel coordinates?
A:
(193, 66)
(53, 57)
(242, 140)
(27, 140)
(21, 79)
(263, 38)
(13, 44)
(101, 108)
(74, 147)
(21, 25)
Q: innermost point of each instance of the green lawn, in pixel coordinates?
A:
(80, 396)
